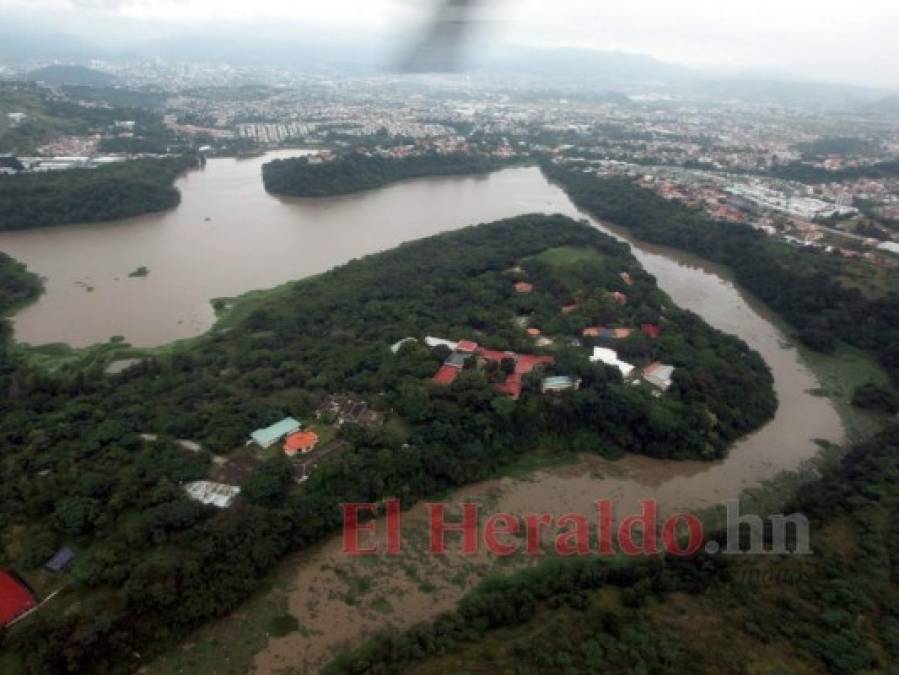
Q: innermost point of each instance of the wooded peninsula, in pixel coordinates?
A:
(93, 460)
(120, 190)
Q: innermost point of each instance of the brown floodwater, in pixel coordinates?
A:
(229, 236)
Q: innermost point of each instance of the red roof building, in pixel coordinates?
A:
(300, 442)
(446, 376)
(15, 598)
(651, 330)
(524, 364)
(467, 346)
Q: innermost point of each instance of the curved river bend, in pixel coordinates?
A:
(229, 236)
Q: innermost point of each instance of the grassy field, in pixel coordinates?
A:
(565, 256)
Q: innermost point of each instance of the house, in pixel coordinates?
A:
(534, 332)
(568, 309)
(618, 298)
(608, 333)
(212, 494)
(266, 438)
(348, 409)
(559, 384)
(301, 442)
(626, 278)
(16, 599)
(524, 287)
(437, 342)
(512, 386)
(651, 330)
(61, 560)
(889, 247)
(659, 375)
(610, 358)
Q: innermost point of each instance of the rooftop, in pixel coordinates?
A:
(270, 435)
(15, 598)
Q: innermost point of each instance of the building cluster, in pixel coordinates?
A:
(514, 367)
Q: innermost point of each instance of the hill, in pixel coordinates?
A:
(59, 75)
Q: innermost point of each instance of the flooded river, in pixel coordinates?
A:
(228, 236)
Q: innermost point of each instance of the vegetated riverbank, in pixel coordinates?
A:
(120, 190)
(833, 611)
(804, 286)
(185, 564)
(302, 177)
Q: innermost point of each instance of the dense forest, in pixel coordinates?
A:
(151, 564)
(837, 611)
(807, 173)
(802, 285)
(17, 287)
(298, 177)
(91, 195)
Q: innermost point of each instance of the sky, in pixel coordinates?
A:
(851, 42)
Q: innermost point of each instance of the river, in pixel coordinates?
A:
(228, 236)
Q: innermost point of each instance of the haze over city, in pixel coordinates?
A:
(801, 39)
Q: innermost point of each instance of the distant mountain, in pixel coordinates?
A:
(71, 75)
(23, 46)
(597, 67)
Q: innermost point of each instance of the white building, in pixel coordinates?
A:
(610, 358)
(212, 494)
(436, 342)
(890, 247)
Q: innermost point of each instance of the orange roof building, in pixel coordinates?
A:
(524, 287)
(300, 443)
(534, 332)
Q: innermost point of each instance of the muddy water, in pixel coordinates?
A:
(252, 240)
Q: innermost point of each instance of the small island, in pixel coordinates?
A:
(140, 272)
(312, 177)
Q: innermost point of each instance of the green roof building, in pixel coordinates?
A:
(265, 438)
